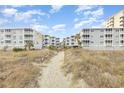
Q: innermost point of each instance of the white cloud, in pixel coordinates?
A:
(83, 23)
(3, 21)
(39, 27)
(9, 11)
(96, 13)
(22, 15)
(101, 25)
(82, 8)
(59, 27)
(55, 8)
(90, 18)
(28, 14)
(76, 19)
(45, 29)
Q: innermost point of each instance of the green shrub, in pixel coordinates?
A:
(52, 47)
(18, 49)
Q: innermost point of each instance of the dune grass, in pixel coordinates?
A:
(17, 69)
(96, 68)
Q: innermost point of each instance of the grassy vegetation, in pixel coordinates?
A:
(17, 69)
(18, 49)
(96, 68)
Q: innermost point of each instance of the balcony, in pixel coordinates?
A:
(122, 25)
(8, 41)
(122, 21)
(122, 17)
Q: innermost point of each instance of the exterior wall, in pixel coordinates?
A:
(102, 38)
(57, 42)
(17, 38)
(116, 21)
(50, 41)
(46, 40)
(38, 40)
(70, 41)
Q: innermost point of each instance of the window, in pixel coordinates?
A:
(14, 37)
(1, 31)
(101, 36)
(8, 41)
(117, 30)
(72, 39)
(122, 41)
(28, 30)
(72, 43)
(8, 36)
(108, 41)
(108, 35)
(92, 30)
(2, 42)
(67, 40)
(86, 41)
(122, 35)
(86, 30)
(92, 42)
(67, 37)
(121, 29)
(86, 36)
(27, 36)
(101, 42)
(109, 29)
(72, 36)
(53, 40)
(7, 30)
(20, 41)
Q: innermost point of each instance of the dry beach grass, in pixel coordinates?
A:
(17, 69)
(96, 68)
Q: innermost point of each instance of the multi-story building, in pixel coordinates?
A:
(17, 38)
(46, 40)
(102, 38)
(50, 41)
(54, 41)
(70, 41)
(115, 21)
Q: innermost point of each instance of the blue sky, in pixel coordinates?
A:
(59, 21)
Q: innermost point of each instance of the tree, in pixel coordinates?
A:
(29, 44)
(77, 37)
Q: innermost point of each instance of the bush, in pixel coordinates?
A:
(101, 69)
(18, 49)
(33, 49)
(52, 47)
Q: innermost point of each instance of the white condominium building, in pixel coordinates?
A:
(17, 38)
(70, 41)
(54, 41)
(50, 41)
(115, 21)
(46, 40)
(102, 38)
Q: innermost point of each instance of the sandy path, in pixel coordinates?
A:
(52, 76)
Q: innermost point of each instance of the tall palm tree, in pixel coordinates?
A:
(77, 37)
(29, 44)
